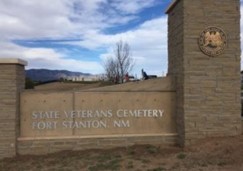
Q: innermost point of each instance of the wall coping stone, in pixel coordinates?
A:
(171, 6)
(16, 61)
(96, 136)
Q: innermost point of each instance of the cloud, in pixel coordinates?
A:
(148, 45)
(132, 7)
(25, 19)
(48, 58)
(33, 19)
(83, 20)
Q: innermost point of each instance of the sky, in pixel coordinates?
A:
(79, 35)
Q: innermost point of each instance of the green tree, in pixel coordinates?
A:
(29, 84)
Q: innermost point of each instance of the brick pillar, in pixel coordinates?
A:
(207, 76)
(12, 82)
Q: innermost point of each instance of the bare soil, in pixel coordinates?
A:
(213, 154)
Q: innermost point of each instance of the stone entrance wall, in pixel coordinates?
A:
(77, 114)
(56, 121)
(43, 122)
(12, 79)
(205, 102)
(208, 87)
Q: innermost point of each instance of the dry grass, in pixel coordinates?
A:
(217, 154)
(65, 86)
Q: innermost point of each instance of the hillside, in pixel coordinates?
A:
(158, 84)
(48, 75)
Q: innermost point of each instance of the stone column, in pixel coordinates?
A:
(12, 82)
(204, 59)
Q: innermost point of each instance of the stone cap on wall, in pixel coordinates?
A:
(16, 61)
(171, 6)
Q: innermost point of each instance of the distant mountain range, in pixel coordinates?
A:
(50, 75)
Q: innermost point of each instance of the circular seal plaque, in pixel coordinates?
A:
(212, 41)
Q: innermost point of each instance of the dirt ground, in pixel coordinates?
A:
(214, 154)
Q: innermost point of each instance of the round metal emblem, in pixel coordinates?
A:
(212, 41)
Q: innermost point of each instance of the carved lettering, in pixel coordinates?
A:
(88, 119)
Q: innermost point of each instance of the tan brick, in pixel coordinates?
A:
(206, 86)
(11, 83)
